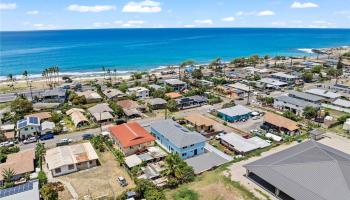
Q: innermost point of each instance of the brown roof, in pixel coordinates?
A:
(21, 162)
(9, 135)
(42, 115)
(280, 121)
(173, 95)
(128, 104)
(200, 120)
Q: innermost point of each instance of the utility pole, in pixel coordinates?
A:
(248, 94)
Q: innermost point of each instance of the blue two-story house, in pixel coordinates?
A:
(178, 139)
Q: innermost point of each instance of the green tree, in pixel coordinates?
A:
(197, 74)
(98, 143)
(56, 117)
(39, 153)
(172, 105)
(118, 110)
(177, 171)
(291, 115)
(3, 157)
(119, 155)
(42, 178)
(49, 192)
(307, 77)
(310, 112)
(21, 106)
(316, 69)
(123, 86)
(146, 189)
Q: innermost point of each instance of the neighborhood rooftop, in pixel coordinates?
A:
(235, 110)
(305, 96)
(308, 171)
(323, 93)
(295, 101)
(177, 134)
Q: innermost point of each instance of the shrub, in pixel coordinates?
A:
(42, 178)
(185, 194)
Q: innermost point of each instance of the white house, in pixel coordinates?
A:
(27, 127)
(47, 127)
(140, 92)
(67, 159)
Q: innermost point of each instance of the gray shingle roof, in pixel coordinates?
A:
(323, 93)
(305, 96)
(235, 110)
(308, 171)
(177, 134)
(295, 101)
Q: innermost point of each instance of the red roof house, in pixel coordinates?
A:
(131, 137)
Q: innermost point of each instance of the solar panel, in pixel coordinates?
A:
(22, 124)
(17, 189)
(33, 120)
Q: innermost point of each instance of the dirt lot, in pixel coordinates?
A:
(99, 181)
(214, 186)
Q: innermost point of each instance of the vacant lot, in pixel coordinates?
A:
(99, 181)
(214, 185)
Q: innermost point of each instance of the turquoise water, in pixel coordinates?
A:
(139, 49)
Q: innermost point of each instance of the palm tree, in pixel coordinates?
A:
(115, 74)
(26, 75)
(12, 80)
(8, 174)
(171, 164)
(104, 70)
(39, 153)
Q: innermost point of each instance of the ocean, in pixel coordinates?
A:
(86, 51)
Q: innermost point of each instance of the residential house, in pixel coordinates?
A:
(102, 113)
(131, 138)
(280, 124)
(309, 170)
(201, 124)
(156, 103)
(55, 95)
(67, 159)
(290, 79)
(328, 95)
(191, 102)
(178, 139)
(27, 191)
(155, 87)
(235, 113)
(241, 87)
(131, 108)
(340, 88)
(47, 127)
(90, 96)
(78, 117)
(27, 127)
(242, 145)
(270, 83)
(113, 94)
(8, 130)
(306, 97)
(42, 116)
(21, 163)
(287, 103)
(173, 95)
(139, 92)
(175, 84)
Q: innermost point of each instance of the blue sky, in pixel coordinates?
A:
(87, 14)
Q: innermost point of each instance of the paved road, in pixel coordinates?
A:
(76, 136)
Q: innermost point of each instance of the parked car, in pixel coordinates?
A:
(66, 140)
(30, 140)
(219, 135)
(87, 136)
(47, 136)
(122, 181)
(7, 144)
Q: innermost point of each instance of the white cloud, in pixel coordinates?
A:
(342, 12)
(101, 24)
(279, 23)
(297, 4)
(228, 19)
(44, 26)
(96, 8)
(146, 6)
(241, 13)
(203, 21)
(32, 12)
(8, 6)
(265, 13)
(118, 22)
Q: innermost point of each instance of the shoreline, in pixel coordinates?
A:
(126, 74)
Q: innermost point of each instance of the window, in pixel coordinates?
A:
(58, 170)
(26, 129)
(90, 162)
(184, 147)
(192, 145)
(184, 154)
(70, 167)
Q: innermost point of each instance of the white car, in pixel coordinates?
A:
(66, 140)
(30, 140)
(7, 144)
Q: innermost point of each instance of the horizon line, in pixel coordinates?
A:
(120, 28)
